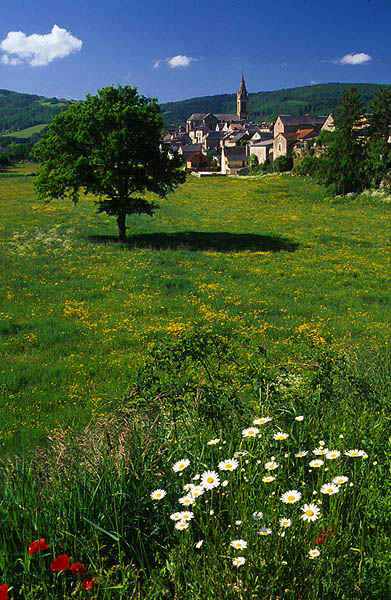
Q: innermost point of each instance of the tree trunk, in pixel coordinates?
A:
(121, 219)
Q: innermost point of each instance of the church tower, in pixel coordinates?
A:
(242, 101)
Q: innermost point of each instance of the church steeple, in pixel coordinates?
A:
(242, 101)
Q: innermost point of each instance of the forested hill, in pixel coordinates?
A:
(19, 111)
(320, 99)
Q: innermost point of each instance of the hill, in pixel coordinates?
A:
(20, 111)
(318, 99)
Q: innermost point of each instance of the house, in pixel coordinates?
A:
(233, 159)
(263, 150)
(198, 162)
(188, 151)
(285, 143)
(290, 123)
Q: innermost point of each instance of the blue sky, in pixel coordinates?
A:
(175, 50)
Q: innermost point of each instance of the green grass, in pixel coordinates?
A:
(241, 298)
(79, 310)
(26, 133)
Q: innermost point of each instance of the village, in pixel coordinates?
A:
(223, 143)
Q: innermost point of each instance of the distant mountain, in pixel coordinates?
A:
(320, 99)
(19, 111)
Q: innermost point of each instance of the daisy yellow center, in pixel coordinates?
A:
(210, 480)
(291, 498)
(158, 495)
(181, 466)
(228, 466)
(309, 513)
(330, 490)
(250, 432)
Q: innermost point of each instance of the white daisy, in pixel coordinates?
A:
(313, 553)
(197, 491)
(270, 466)
(186, 515)
(311, 512)
(354, 453)
(250, 432)
(228, 465)
(299, 418)
(280, 435)
(225, 483)
(265, 531)
(186, 500)
(268, 479)
(291, 497)
(257, 516)
(181, 525)
(333, 454)
(316, 463)
(238, 544)
(262, 420)
(176, 516)
(188, 486)
(285, 522)
(199, 544)
(320, 451)
(210, 480)
(180, 465)
(340, 479)
(158, 494)
(301, 453)
(213, 442)
(329, 488)
(239, 561)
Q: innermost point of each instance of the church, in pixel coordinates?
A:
(204, 123)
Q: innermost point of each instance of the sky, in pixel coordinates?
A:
(174, 50)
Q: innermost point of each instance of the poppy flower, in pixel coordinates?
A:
(87, 583)
(78, 569)
(325, 537)
(4, 592)
(37, 546)
(61, 563)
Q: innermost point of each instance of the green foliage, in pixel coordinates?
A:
(253, 162)
(210, 371)
(109, 146)
(341, 168)
(283, 163)
(19, 111)
(307, 165)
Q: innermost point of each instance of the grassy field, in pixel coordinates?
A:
(26, 133)
(267, 259)
(244, 328)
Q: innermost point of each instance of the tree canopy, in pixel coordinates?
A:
(108, 145)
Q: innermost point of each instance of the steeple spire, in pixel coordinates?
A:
(242, 101)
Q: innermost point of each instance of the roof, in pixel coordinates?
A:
(268, 142)
(228, 117)
(235, 152)
(242, 88)
(197, 116)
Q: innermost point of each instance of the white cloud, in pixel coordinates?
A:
(176, 61)
(355, 59)
(284, 65)
(38, 50)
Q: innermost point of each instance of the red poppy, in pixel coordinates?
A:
(78, 569)
(4, 592)
(325, 537)
(87, 583)
(61, 563)
(37, 546)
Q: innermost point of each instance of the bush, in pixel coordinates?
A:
(283, 163)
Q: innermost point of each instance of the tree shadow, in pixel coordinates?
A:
(204, 241)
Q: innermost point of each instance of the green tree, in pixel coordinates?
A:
(253, 162)
(108, 145)
(341, 166)
(378, 151)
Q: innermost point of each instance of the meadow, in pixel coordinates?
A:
(239, 301)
